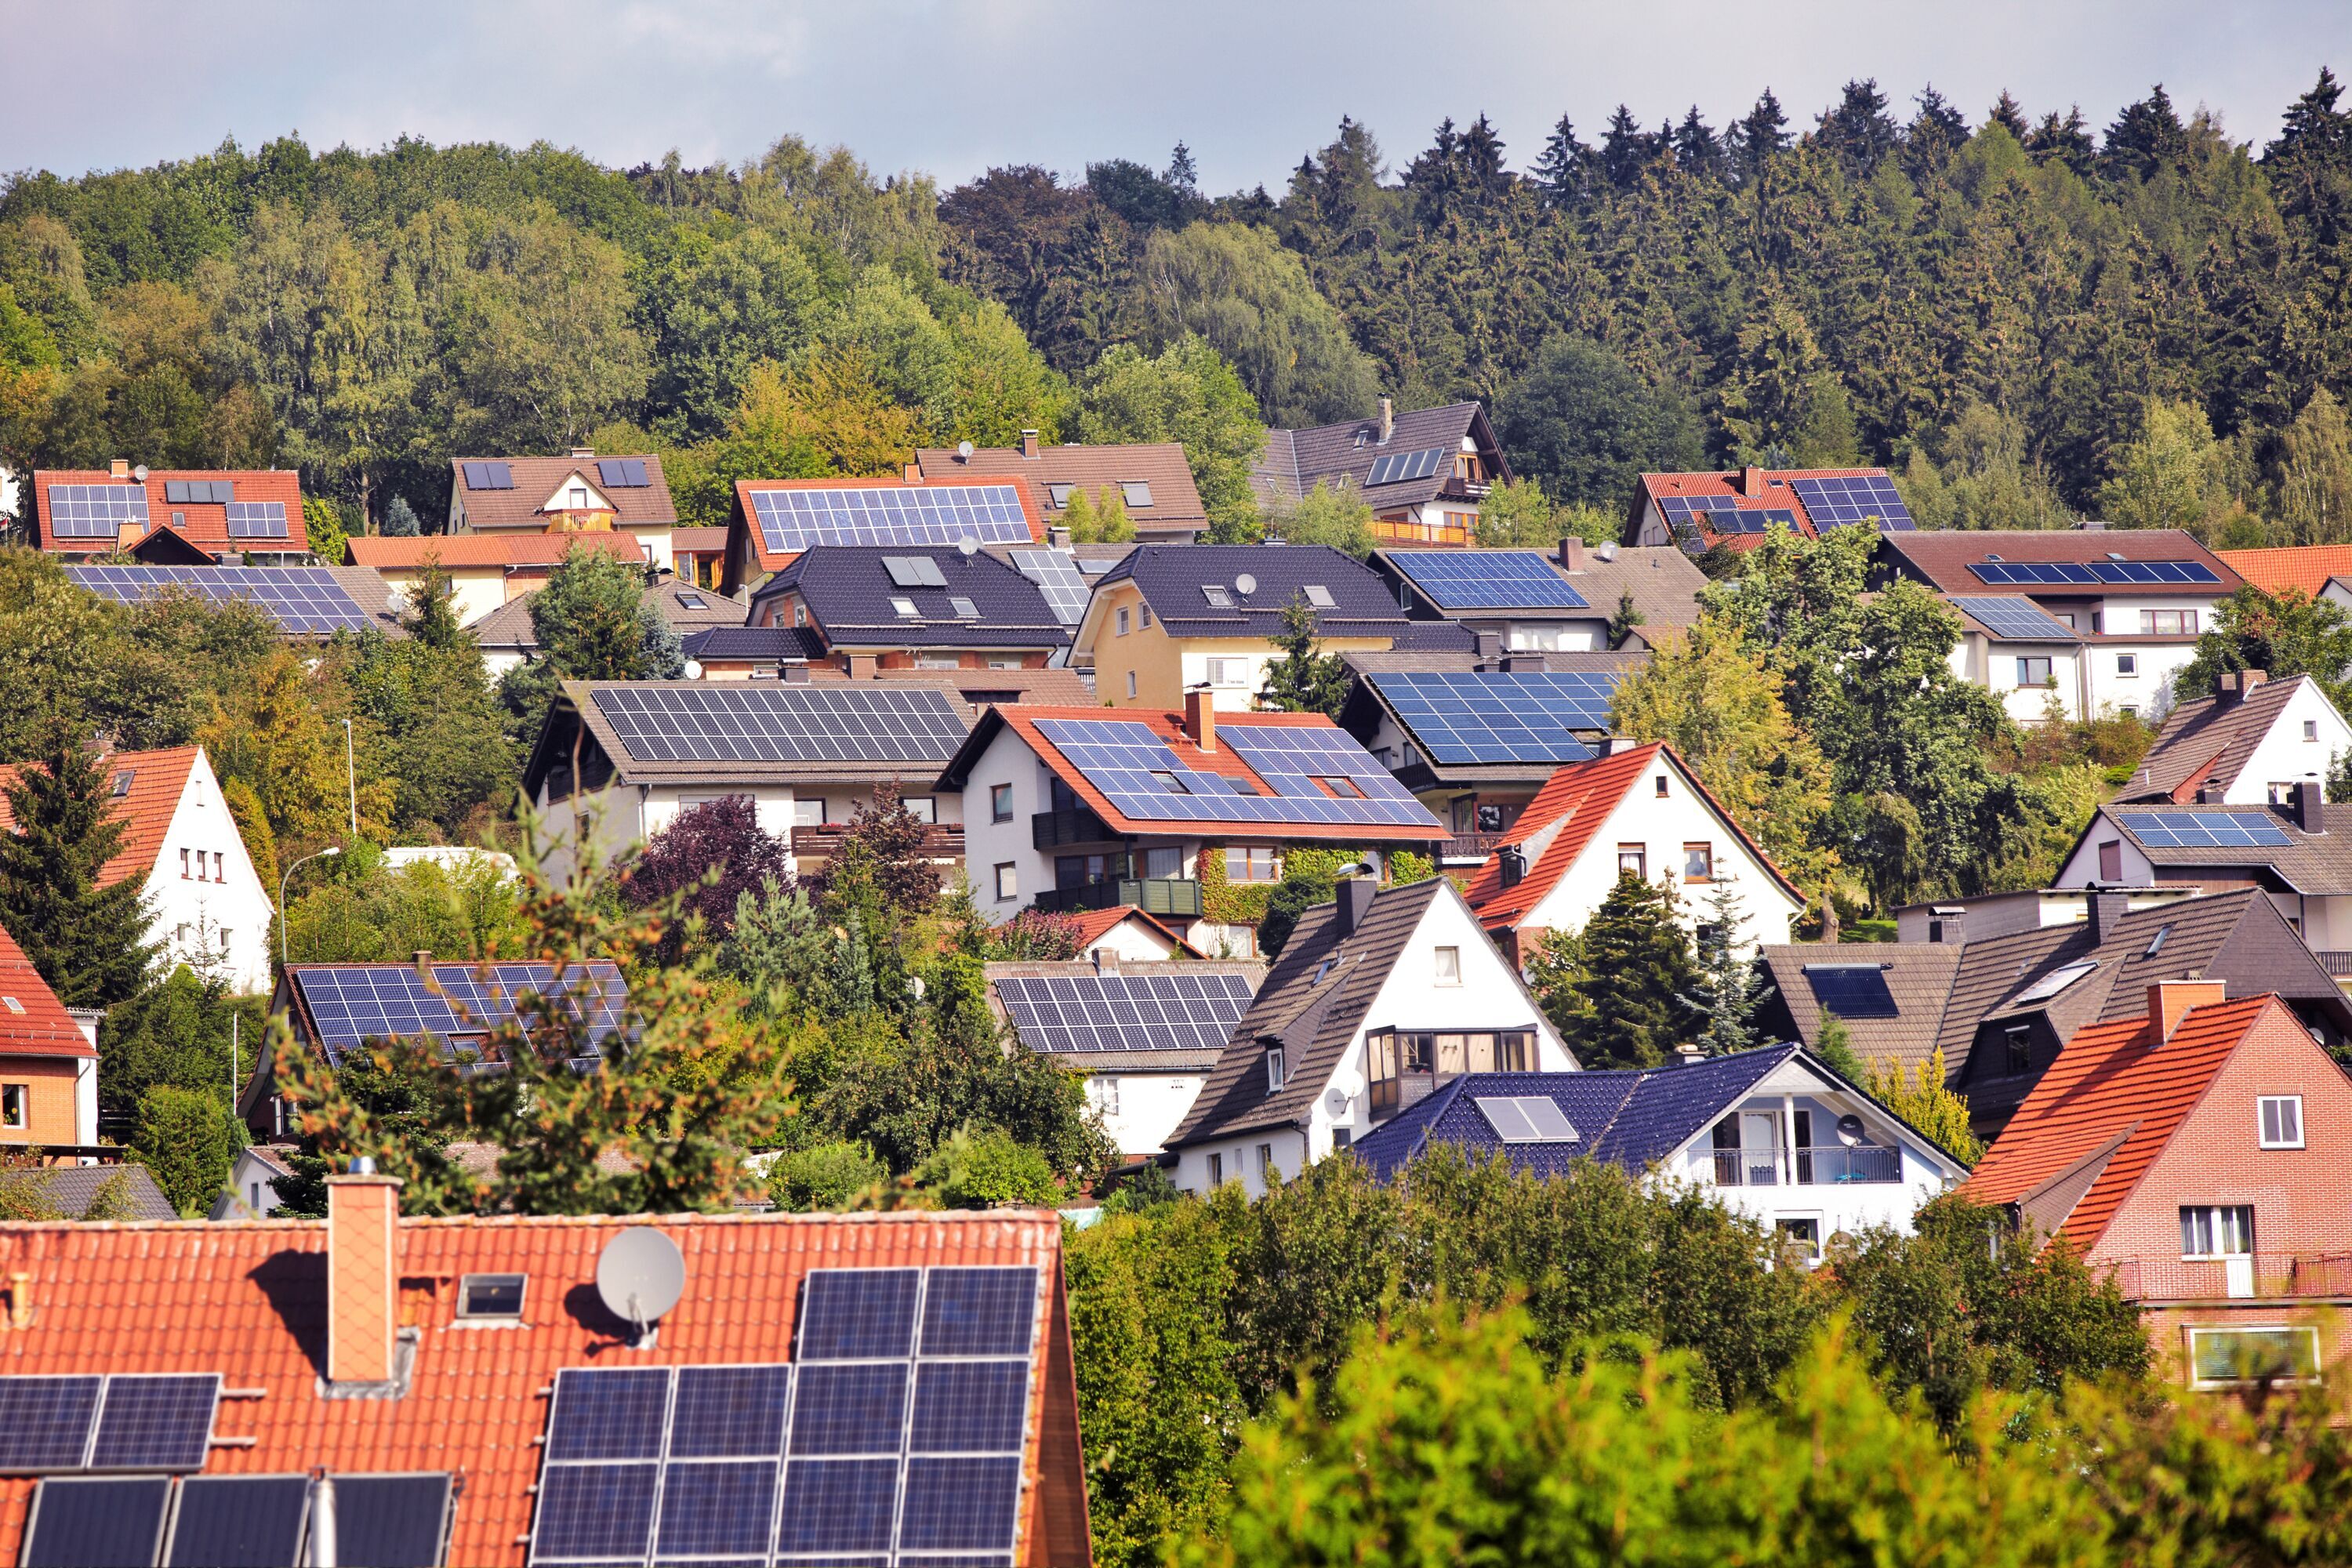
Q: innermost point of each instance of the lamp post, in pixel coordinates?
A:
(316, 854)
(351, 778)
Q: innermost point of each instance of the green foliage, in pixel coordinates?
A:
(592, 622)
(2285, 635)
(1974, 472)
(89, 941)
(1585, 427)
(1517, 515)
(988, 1170)
(1252, 300)
(1834, 1045)
(428, 714)
(188, 1138)
(1340, 517)
(1731, 983)
(1189, 394)
(327, 528)
(2173, 476)
(364, 911)
(1305, 679)
(1303, 885)
(1616, 989)
(1921, 1097)
(1092, 522)
(180, 1031)
(824, 1177)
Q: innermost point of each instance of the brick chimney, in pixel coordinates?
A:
(1201, 719)
(2168, 1002)
(1388, 419)
(2107, 908)
(584, 452)
(1029, 443)
(120, 467)
(1571, 553)
(2308, 798)
(1948, 926)
(362, 1276)
(1751, 481)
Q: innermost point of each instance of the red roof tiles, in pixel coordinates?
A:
(33, 1022)
(453, 550)
(158, 781)
(1751, 490)
(1096, 924)
(204, 525)
(2304, 568)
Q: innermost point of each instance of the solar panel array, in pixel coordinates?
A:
(1500, 716)
(1842, 500)
(1852, 990)
(1056, 573)
(353, 1004)
(398, 1520)
(2205, 829)
(1398, 466)
(622, 473)
(95, 511)
(149, 1422)
(1177, 1011)
(1144, 780)
(894, 1437)
(1527, 1119)
(489, 477)
(1487, 579)
(257, 519)
(2015, 615)
(794, 520)
(1723, 514)
(2092, 573)
(722, 723)
(303, 599)
(199, 492)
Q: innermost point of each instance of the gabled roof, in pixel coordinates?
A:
(1941, 558)
(250, 1301)
(685, 607)
(2304, 569)
(2311, 863)
(753, 556)
(851, 595)
(1918, 978)
(158, 780)
(1405, 660)
(1141, 1017)
(538, 478)
(2208, 742)
(1662, 581)
(1173, 579)
(33, 1022)
(1476, 698)
(69, 1191)
(1055, 471)
(765, 645)
(2115, 1094)
(1294, 460)
(1753, 489)
(337, 1008)
(453, 550)
(204, 524)
(1093, 925)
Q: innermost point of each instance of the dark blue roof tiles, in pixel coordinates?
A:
(1183, 583)
(1671, 1105)
(783, 643)
(858, 594)
(1434, 637)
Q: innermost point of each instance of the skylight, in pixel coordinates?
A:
(1138, 492)
(2155, 942)
(1217, 597)
(904, 606)
(964, 608)
(2054, 981)
(1319, 597)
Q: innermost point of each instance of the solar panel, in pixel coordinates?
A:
(353, 1004)
(979, 1312)
(96, 511)
(1550, 1122)
(1852, 990)
(489, 477)
(1396, 468)
(849, 1407)
(1502, 716)
(78, 1523)
(45, 1421)
(241, 1522)
(858, 1314)
(1143, 779)
(1058, 577)
(1086, 1011)
(199, 492)
(2015, 617)
(729, 1412)
(622, 473)
(914, 570)
(729, 722)
(960, 1504)
(1840, 501)
(2205, 829)
(306, 600)
(615, 1414)
(1526, 1118)
(970, 1406)
(716, 1512)
(594, 1513)
(794, 520)
(155, 1423)
(257, 519)
(2054, 981)
(392, 1521)
(2092, 573)
(837, 1508)
(1487, 579)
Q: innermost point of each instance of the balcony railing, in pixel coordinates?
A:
(1834, 1166)
(1468, 848)
(1176, 896)
(2338, 963)
(941, 841)
(2275, 1275)
(1071, 824)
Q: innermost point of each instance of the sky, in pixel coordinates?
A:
(952, 89)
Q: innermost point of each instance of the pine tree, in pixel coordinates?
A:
(1182, 171)
(1304, 679)
(1564, 168)
(2067, 142)
(1697, 150)
(2146, 137)
(1628, 617)
(2007, 114)
(1759, 138)
(428, 611)
(1859, 132)
(1731, 985)
(400, 520)
(89, 941)
(1616, 989)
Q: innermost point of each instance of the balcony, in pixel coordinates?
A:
(1167, 896)
(1468, 848)
(1835, 1165)
(2338, 964)
(1070, 824)
(2277, 1276)
(941, 841)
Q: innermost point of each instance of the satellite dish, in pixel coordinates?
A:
(640, 1274)
(694, 669)
(963, 451)
(1850, 1130)
(967, 546)
(1337, 1102)
(1244, 584)
(140, 473)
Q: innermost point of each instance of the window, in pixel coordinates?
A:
(2167, 623)
(2127, 663)
(224, 936)
(808, 813)
(1168, 782)
(2156, 944)
(2220, 1358)
(1698, 862)
(1540, 639)
(921, 808)
(1277, 1072)
(2225, 1231)
(1256, 864)
(1000, 803)
(1130, 675)
(1343, 1138)
(1449, 966)
(496, 1297)
(1633, 860)
(2111, 860)
(1119, 621)
(1060, 495)
(1340, 787)
(692, 602)
(1164, 861)
(1229, 672)
(1009, 662)
(1107, 1096)
(184, 865)
(1216, 1171)
(1138, 492)
(2282, 1119)
(964, 608)
(937, 661)
(800, 614)
(1144, 611)
(1006, 889)
(220, 865)
(1658, 787)
(1320, 596)
(1805, 1235)
(2017, 1050)
(1217, 597)
(2054, 981)
(904, 608)
(2033, 672)
(12, 1103)
(1265, 1171)
(2311, 729)
(120, 786)
(1084, 870)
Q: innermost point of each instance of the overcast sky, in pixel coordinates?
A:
(951, 87)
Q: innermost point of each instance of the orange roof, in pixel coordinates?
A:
(2111, 1081)
(249, 1299)
(33, 1022)
(1751, 490)
(2304, 567)
(765, 560)
(202, 524)
(1095, 924)
(158, 780)
(453, 550)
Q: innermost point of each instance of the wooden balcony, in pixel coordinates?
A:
(1071, 824)
(941, 841)
(1468, 848)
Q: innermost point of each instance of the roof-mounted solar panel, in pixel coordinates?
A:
(1844, 499)
(1487, 579)
(792, 520)
(2014, 616)
(96, 511)
(1500, 716)
(257, 519)
(1852, 990)
(78, 1520)
(489, 477)
(622, 473)
(1398, 467)
(240, 1518)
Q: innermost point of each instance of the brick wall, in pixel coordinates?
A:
(50, 1083)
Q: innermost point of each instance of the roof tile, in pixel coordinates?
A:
(158, 781)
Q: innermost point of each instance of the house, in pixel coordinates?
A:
(1129, 935)
(1697, 512)
(250, 1193)
(1170, 620)
(207, 908)
(172, 518)
(308, 604)
(334, 1009)
(2193, 1151)
(1981, 915)
(2001, 1008)
(1144, 1036)
(578, 493)
(890, 608)
(755, 653)
(1378, 1000)
(2133, 601)
(48, 1061)
(92, 1190)
(1538, 602)
(485, 569)
(1186, 816)
(1423, 472)
(2314, 571)
(698, 555)
(477, 1397)
(1637, 810)
(2250, 743)
(507, 638)
(1776, 1134)
(774, 520)
(1151, 481)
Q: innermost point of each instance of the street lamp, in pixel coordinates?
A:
(319, 854)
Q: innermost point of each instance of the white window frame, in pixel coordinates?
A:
(1118, 622)
(2190, 1331)
(1131, 676)
(1008, 885)
(1229, 672)
(1277, 1069)
(1216, 1172)
(15, 1105)
(2263, 1104)
(1448, 969)
(1107, 1095)
(802, 805)
(2311, 729)
(1265, 1172)
(2213, 1227)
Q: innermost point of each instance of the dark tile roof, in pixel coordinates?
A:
(1159, 465)
(2209, 741)
(687, 609)
(537, 479)
(782, 644)
(1170, 578)
(70, 1190)
(1662, 581)
(1433, 637)
(1918, 979)
(2311, 863)
(1941, 557)
(1294, 460)
(848, 589)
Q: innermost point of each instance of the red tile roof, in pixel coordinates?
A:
(204, 525)
(1095, 924)
(536, 479)
(386, 554)
(2112, 1081)
(1098, 471)
(249, 1299)
(1756, 489)
(2305, 568)
(757, 558)
(158, 781)
(33, 1022)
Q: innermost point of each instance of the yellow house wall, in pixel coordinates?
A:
(1163, 666)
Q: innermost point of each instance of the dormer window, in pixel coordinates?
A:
(1277, 1070)
(579, 498)
(490, 1298)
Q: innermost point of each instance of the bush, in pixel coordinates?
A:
(989, 1170)
(825, 1177)
(188, 1138)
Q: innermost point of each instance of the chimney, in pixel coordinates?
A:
(1751, 481)
(2107, 908)
(2168, 1002)
(912, 473)
(1201, 719)
(120, 467)
(1526, 664)
(1689, 1053)
(1029, 443)
(584, 452)
(423, 958)
(1106, 961)
(20, 1301)
(863, 666)
(1355, 901)
(362, 1276)
(1388, 419)
(1948, 926)
(1490, 646)
(2249, 679)
(1571, 553)
(2307, 814)
(795, 673)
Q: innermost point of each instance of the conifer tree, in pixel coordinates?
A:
(1618, 998)
(1730, 986)
(89, 941)
(1305, 679)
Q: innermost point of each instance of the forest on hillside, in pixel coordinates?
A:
(2029, 317)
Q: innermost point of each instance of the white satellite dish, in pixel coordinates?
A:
(140, 473)
(968, 545)
(963, 451)
(1336, 1101)
(640, 1274)
(1244, 584)
(1850, 1130)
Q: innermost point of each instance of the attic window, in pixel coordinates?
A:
(964, 608)
(121, 784)
(14, 1006)
(2155, 942)
(904, 606)
(490, 1298)
(2054, 981)
(1060, 495)
(693, 602)
(1171, 783)
(1320, 596)
(1277, 1069)
(1218, 598)
(1323, 969)
(1340, 787)
(1138, 492)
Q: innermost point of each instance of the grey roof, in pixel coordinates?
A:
(2311, 863)
(848, 589)
(685, 607)
(2211, 741)
(1433, 637)
(1661, 580)
(1295, 459)
(782, 644)
(1918, 978)
(1426, 661)
(70, 1190)
(1171, 577)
